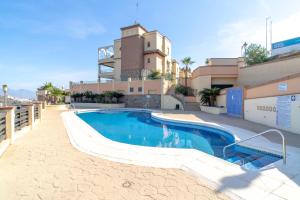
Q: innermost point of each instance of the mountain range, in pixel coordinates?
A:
(20, 94)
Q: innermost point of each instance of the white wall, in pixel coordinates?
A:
(263, 111)
(199, 83)
(168, 102)
(221, 100)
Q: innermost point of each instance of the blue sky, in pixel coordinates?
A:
(57, 40)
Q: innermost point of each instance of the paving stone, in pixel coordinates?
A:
(43, 165)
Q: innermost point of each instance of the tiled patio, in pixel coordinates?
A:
(44, 165)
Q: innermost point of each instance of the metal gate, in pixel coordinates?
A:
(234, 101)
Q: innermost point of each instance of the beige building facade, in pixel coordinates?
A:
(268, 71)
(136, 54)
(219, 72)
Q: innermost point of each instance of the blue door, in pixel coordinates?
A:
(234, 101)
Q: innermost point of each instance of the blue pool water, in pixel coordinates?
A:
(139, 128)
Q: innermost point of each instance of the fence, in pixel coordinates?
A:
(21, 117)
(36, 112)
(2, 126)
(132, 87)
(13, 121)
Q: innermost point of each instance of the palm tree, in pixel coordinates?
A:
(187, 61)
(53, 93)
(208, 96)
(47, 86)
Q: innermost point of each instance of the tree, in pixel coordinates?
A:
(187, 61)
(54, 93)
(206, 61)
(47, 86)
(154, 75)
(209, 96)
(255, 54)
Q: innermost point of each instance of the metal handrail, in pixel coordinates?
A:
(72, 107)
(259, 134)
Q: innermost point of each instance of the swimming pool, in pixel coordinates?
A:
(140, 128)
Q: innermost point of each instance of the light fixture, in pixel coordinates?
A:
(5, 89)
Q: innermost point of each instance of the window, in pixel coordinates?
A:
(148, 60)
(131, 89)
(140, 89)
(168, 51)
(148, 44)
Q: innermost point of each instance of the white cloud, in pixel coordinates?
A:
(287, 28)
(231, 36)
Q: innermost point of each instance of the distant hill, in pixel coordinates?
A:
(21, 94)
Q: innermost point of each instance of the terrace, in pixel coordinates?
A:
(105, 62)
(55, 169)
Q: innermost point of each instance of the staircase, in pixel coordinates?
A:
(192, 106)
(188, 106)
(250, 158)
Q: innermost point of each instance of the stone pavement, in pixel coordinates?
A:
(44, 165)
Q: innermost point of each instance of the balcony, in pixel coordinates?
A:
(105, 72)
(106, 56)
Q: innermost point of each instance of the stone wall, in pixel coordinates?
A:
(141, 101)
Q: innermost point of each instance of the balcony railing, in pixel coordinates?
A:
(105, 52)
(21, 117)
(36, 112)
(2, 126)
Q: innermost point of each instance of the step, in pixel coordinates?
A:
(262, 161)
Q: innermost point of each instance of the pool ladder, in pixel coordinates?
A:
(259, 134)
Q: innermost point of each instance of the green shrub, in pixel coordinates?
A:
(186, 91)
(255, 54)
(154, 75)
(169, 77)
(105, 97)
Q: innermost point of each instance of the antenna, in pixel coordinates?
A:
(137, 11)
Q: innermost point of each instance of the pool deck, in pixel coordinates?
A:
(44, 165)
(292, 139)
(275, 181)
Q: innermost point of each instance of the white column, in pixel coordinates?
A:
(10, 123)
(143, 84)
(162, 91)
(128, 89)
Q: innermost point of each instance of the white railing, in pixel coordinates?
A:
(262, 133)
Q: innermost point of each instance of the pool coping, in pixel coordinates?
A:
(209, 169)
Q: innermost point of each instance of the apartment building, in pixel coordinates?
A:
(135, 55)
(219, 72)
